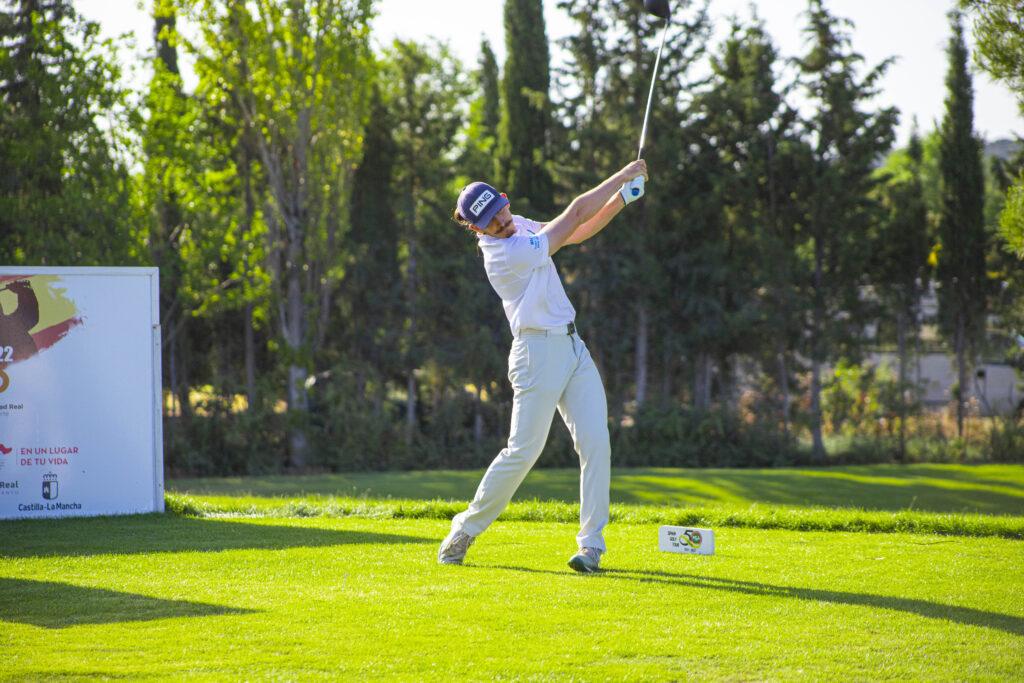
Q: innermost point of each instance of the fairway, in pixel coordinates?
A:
(336, 576)
(363, 599)
(988, 489)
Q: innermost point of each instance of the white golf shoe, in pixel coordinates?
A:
(586, 561)
(453, 547)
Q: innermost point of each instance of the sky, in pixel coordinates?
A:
(914, 31)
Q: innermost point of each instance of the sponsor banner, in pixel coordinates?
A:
(80, 421)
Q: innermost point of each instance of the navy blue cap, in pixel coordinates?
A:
(479, 203)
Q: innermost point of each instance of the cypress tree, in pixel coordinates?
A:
(961, 271)
(372, 293)
(490, 86)
(526, 110)
(477, 161)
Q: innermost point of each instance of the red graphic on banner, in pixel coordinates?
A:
(35, 314)
(5, 450)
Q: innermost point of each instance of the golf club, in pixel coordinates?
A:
(660, 9)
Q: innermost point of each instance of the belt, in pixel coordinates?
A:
(569, 329)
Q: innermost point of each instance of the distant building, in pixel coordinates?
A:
(994, 384)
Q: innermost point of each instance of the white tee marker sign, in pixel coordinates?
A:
(686, 540)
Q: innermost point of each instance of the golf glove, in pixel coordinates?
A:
(633, 190)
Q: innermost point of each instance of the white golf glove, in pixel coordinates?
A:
(633, 190)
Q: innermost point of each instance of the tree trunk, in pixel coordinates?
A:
(784, 390)
(410, 400)
(817, 357)
(182, 390)
(901, 348)
(411, 308)
(173, 421)
(667, 370)
(729, 381)
(298, 403)
(478, 417)
(642, 324)
(250, 358)
(702, 381)
(298, 398)
(959, 345)
(818, 443)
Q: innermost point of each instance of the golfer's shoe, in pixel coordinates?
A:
(453, 548)
(586, 561)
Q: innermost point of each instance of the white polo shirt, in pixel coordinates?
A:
(525, 278)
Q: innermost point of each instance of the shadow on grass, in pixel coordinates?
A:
(169, 534)
(928, 488)
(967, 616)
(59, 605)
(872, 489)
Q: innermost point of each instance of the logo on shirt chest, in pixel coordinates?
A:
(535, 242)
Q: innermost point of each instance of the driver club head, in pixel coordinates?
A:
(658, 8)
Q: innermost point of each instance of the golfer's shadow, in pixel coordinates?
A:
(931, 610)
(144, 534)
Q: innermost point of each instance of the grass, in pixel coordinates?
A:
(360, 599)
(985, 500)
(335, 577)
(988, 489)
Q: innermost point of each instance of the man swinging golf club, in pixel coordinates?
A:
(549, 365)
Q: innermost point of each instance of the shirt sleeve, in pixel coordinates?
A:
(524, 253)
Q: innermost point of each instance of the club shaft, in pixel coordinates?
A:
(650, 95)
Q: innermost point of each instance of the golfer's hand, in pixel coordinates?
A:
(635, 175)
(633, 170)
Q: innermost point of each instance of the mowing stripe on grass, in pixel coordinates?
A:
(753, 516)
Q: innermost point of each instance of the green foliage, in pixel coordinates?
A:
(846, 139)
(1011, 220)
(999, 35)
(859, 396)
(1007, 439)
(65, 195)
(298, 203)
(220, 441)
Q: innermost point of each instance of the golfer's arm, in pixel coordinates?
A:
(596, 224)
(581, 210)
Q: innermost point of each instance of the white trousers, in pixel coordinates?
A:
(550, 370)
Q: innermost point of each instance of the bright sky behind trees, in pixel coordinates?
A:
(916, 31)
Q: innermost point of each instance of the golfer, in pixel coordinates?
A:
(549, 365)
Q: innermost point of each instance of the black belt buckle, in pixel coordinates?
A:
(571, 327)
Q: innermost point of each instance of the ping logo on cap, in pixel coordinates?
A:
(481, 203)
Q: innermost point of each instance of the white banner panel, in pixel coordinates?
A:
(80, 418)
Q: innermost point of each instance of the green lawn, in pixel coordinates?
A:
(989, 489)
(308, 582)
(364, 599)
